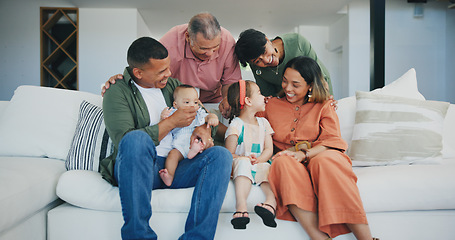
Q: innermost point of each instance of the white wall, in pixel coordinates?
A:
(142, 29)
(349, 51)
(427, 44)
(420, 43)
(359, 47)
(104, 38)
(318, 37)
(20, 44)
(450, 56)
(339, 57)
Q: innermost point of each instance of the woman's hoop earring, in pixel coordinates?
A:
(310, 95)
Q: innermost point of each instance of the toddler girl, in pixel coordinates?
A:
(249, 139)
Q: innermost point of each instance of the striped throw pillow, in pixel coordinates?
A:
(395, 130)
(91, 142)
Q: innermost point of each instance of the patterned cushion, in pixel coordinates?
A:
(91, 143)
(396, 130)
(404, 86)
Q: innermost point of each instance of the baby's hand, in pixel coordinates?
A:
(165, 113)
(212, 120)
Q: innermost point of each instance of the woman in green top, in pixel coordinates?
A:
(268, 58)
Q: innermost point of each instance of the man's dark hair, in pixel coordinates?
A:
(143, 49)
(251, 45)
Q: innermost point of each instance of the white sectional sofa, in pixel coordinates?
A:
(40, 199)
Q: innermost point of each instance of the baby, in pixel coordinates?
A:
(184, 96)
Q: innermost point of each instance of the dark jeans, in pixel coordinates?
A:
(136, 171)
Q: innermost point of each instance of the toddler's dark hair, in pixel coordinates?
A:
(233, 97)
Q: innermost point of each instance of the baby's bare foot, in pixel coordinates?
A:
(166, 177)
(195, 148)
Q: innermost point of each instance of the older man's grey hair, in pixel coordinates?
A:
(204, 23)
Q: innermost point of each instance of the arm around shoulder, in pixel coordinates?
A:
(117, 113)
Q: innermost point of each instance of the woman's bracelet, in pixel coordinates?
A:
(308, 145)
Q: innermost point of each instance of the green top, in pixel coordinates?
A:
(125, 110)
(269, 78)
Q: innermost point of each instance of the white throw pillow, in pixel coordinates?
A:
(404, 86)
(91, 142)
(346, 117)
(40, 121)
(87, 189)
(395, 130)
(3, 105)
(448, 139)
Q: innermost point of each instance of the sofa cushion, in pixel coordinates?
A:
(384, 188)
(87, 189)
(404, 86)
(27, 185)
(40, 121)
(346, 117)
(91, 142)
(407, 187)
(396, 130)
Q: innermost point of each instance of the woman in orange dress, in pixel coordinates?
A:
(314, 186)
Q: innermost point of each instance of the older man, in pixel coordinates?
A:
(132, 110)
(202, 55)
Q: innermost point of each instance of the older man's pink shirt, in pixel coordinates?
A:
(221, 69)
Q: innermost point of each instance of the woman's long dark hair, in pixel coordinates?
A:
(311, 72)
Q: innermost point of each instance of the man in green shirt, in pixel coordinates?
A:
(132, 110)
(267, 58)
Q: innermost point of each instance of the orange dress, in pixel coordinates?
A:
(327, 185)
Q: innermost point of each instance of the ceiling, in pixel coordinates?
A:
(269, 16)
